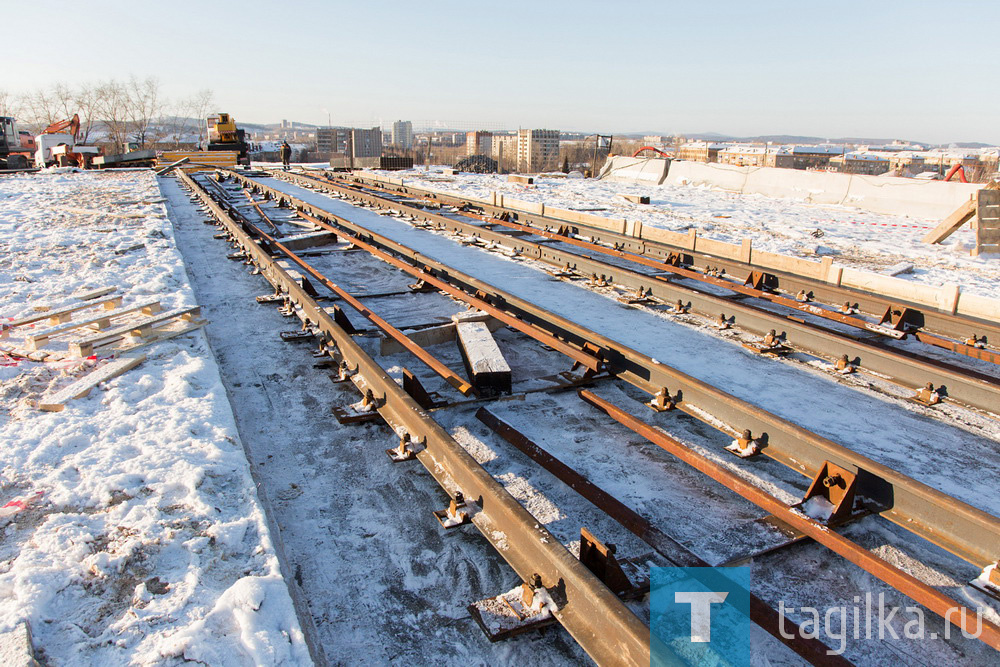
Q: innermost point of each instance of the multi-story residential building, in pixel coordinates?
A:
(402, 134)
(504, 150)
(655, 140)
(332, 140)
(537, 150)
(699, 151)
(479, 143)
(905, 161)
(349, 141)
(814, 157)
(743, 155)
(871, 164)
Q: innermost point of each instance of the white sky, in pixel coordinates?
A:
(886, 68)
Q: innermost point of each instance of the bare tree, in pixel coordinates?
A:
(189, 118)
(144, 109)
(199, 106)
(86, 102)
(112, 105)
(10, 104)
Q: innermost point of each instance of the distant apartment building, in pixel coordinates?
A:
(871, 164)
(744, 156)
(905, 161)
(814, 157)
(349, 141)
(402, 134)
(537, 150)
(479, 143)
(504, 150)
(332, 140)
(699, 151)
(655, 140)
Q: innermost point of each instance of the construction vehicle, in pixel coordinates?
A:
(223, 135)
(57, 146)
(14, 154)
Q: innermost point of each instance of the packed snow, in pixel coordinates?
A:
(132, 532)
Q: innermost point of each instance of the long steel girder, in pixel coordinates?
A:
(980, 392)
(965, 531)
(945, 323)
(593, 615)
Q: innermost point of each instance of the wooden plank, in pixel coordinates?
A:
(144, 327)
(637, 199)
(516, 178)
(950, 225)
(37, 340)
(94, 294)
(485, 363)
(64, 314)
(57, 401)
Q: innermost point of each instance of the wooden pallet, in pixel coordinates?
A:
(149, 328)
(38, 340)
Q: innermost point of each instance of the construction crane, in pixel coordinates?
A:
(223, 135)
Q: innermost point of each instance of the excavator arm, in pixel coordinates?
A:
(70, 124)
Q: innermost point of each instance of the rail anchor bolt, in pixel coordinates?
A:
(844, 365)
(928, 395)
(662, 401)
(745, 445)
(456, 514)
(404, 452)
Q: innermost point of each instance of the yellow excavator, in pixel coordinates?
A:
(223, 135)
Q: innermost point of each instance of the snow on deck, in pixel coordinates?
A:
(931, 451)
(142, 539)
(851, 236)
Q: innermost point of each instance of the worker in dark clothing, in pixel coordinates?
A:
(286, 154)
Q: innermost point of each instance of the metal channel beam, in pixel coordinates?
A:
(982, 392)
(948, 324)
(965, 531)
(593, 615)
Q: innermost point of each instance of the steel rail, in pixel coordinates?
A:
(937, 320)
(937, 602)
(967, 532)
(603, 626)
(963, 385)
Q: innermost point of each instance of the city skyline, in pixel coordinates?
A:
(891, 70)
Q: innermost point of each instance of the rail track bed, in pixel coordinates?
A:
(371, 306)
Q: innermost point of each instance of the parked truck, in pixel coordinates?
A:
(14, 154)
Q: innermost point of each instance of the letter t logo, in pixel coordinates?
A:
(701, 611)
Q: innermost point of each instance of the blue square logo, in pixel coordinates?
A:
(700, 615)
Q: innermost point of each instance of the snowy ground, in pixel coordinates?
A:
(853, 237)
(142, 540)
